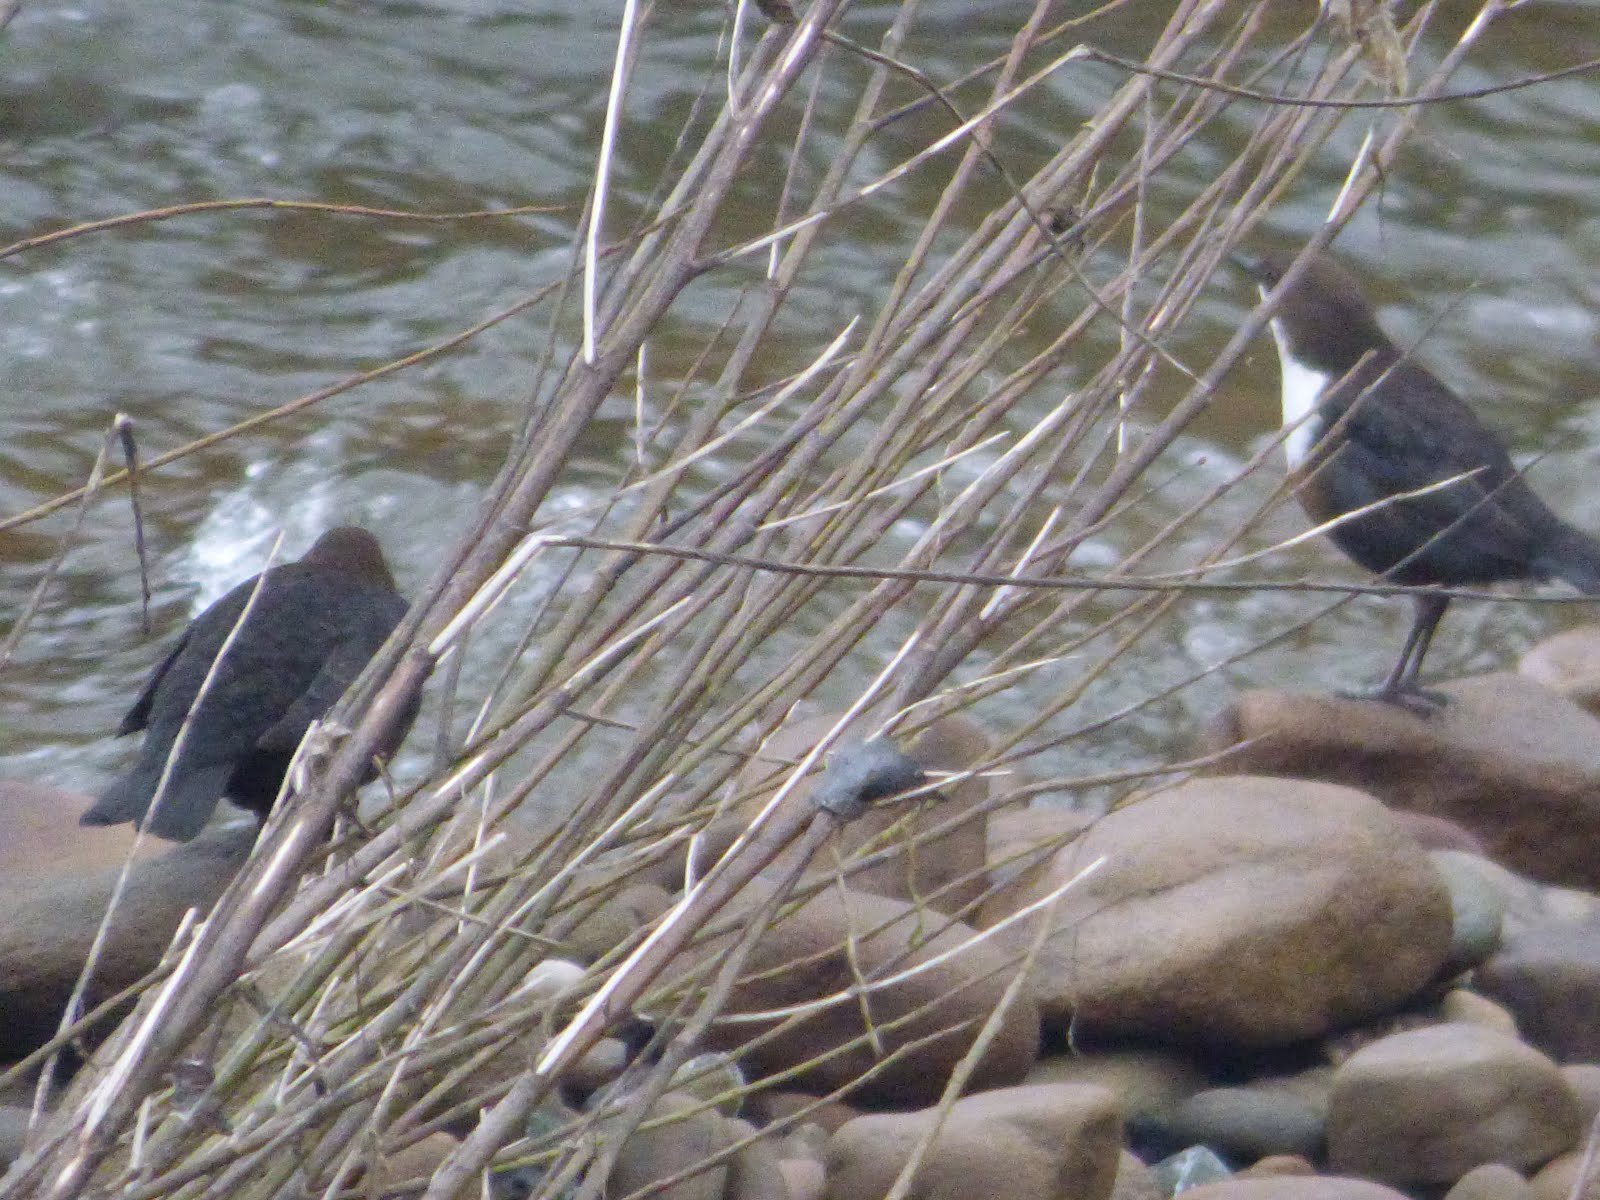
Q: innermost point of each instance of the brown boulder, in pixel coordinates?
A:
(755, 1171)
(1491, 1181)
(1135, 1181)
(419, 1160)
(1146, 1081)
(1241, 912)
(1275, 1165)
(803, 1179)
(1438, 833)
(1024, 1143)
(675, 1138)
(1022, 842)
(1559, 1179)
(1549, 977)
(778, 1106)
(40, 834)
(1568, 663)
(1293, 1187)
(613, 921)
(825, 948)
(1462, 1004)
(1510, 760)
(1425, 1107)
(49, 924)
(1584, 1080)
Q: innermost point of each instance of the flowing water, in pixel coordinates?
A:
(1487, 237)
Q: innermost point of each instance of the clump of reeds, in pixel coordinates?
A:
(340, 1003)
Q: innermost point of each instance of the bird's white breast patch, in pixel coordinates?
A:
(1302, 388)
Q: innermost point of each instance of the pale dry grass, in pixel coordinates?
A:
(338, 1006)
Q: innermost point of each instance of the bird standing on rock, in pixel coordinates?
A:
(313, 627)
(1367, 427)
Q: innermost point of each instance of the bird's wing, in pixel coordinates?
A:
(358, 639)
(138, 717)
(338, 671)
(1410, 431)
(190, 799)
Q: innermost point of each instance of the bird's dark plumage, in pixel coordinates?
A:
(1379, 427)
(313, 627)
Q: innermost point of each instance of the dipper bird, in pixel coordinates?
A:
(314, 625)
(1368, 426)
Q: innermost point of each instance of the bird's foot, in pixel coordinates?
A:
(1415, 699)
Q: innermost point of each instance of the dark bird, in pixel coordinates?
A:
(313, 627)
(1368, 426)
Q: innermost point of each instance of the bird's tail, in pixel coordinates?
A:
(125, 800)
(1574, 556)
(190, 799)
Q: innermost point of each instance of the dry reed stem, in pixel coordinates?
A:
(807, 491)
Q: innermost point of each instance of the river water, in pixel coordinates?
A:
(1487, 238)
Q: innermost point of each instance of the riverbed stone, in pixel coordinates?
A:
(1293, 1187)
(1236, 912)
(1491, 1181)
(1438, 833)
(755, 1172)
(1135, 1180)
(1549, 977)
(1424, 1107)
(49, 923)
(1584, 1080)
(13, 1132)
(40, 835)
(781, 1106)
(1464, 1004)
(803, 1179)
(1527, 902)
(1248, 1123)
(1040, 1142)
(1147, 1080)
(1558, 1178)
(1568, 662)
(615, 920)
(1507, 758)
(825, 948)
(1022, 841)
(687, 1138)
(1477, 906)
(1277, 1164)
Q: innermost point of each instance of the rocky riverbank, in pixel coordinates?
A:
(1359, 957)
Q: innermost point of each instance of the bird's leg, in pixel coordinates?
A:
(1403, 688)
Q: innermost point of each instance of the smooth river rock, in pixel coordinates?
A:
(48, 925)
(1293, 1187)
(1510, 760)
(1045, 1142)
(1558, 1179)
(1425, 1107)
(1235, 912)
(40, 835)
(1249, 1123)
(825, 948)
(1491, 1181)
(1569, 663)
(1549, 977)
